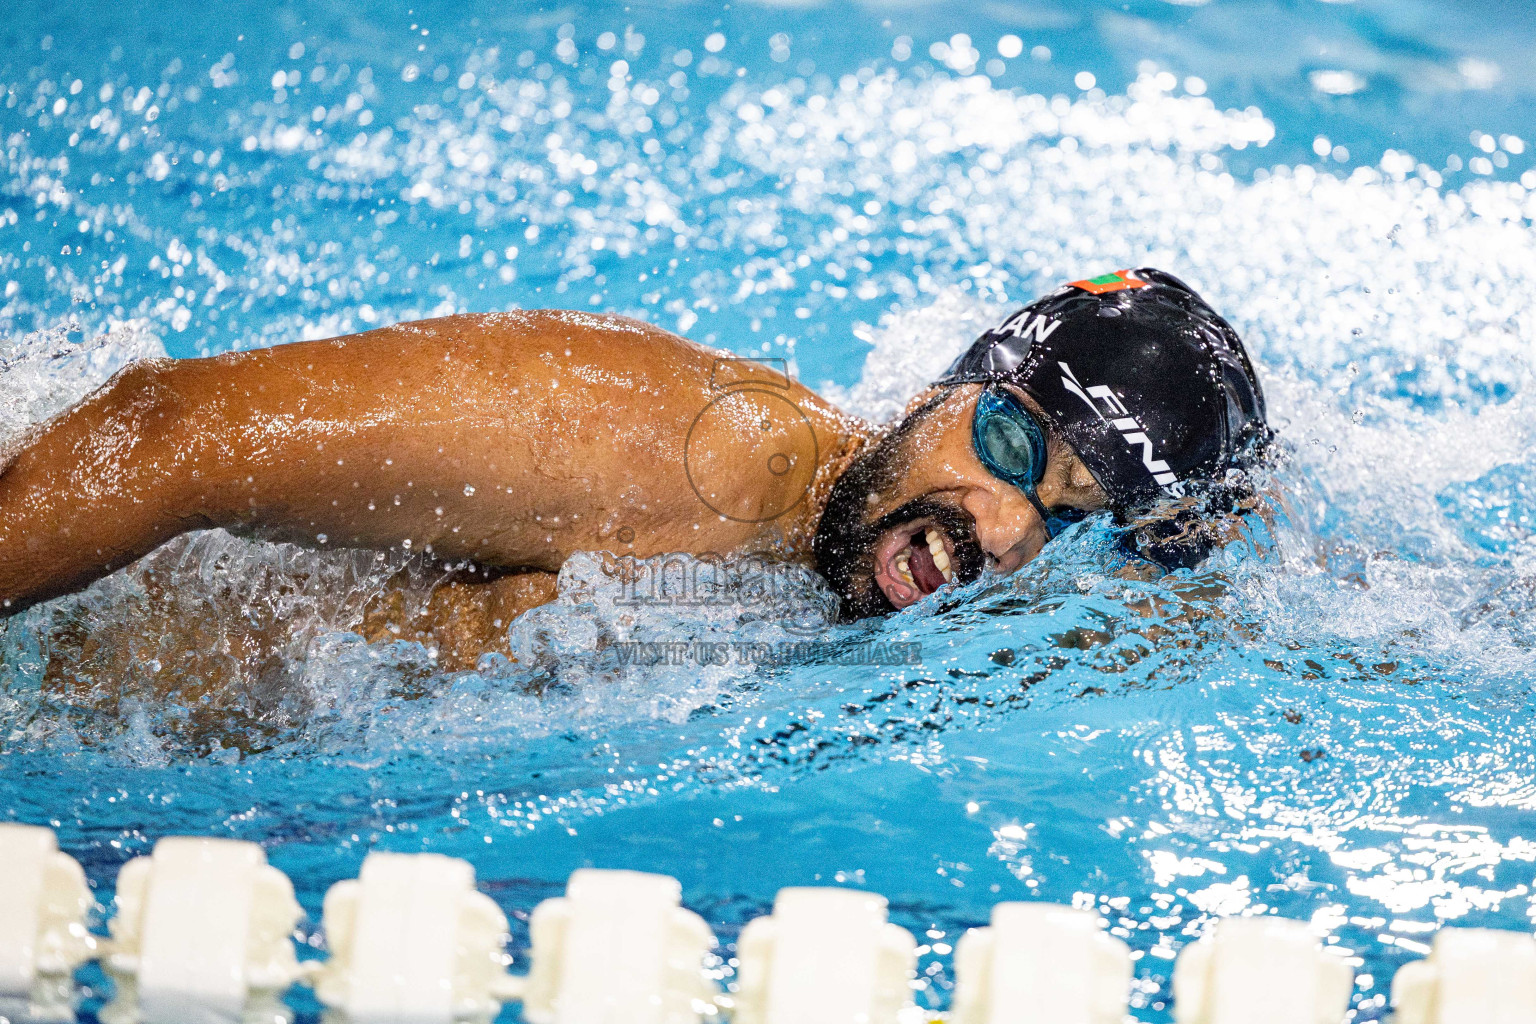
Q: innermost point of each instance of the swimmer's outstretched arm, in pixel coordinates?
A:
(512, 439)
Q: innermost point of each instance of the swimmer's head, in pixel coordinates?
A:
(1114, 392)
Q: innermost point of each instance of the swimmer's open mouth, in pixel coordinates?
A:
(913, 560)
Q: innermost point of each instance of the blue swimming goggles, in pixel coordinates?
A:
(1010, 442)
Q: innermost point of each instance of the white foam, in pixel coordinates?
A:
(45, 372)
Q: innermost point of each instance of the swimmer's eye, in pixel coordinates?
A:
(1010, 442)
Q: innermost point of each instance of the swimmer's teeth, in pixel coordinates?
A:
(940, 556)
(904, 567)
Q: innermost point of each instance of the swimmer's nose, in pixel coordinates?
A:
(1007, 527)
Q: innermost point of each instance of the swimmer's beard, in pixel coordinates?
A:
(845, 540)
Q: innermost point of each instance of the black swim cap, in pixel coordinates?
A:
(1150, 387)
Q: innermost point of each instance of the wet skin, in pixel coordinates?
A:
(512, 440)
(507, 442)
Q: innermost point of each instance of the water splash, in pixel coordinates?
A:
(45, 372)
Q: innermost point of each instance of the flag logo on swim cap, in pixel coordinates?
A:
(1118, 281)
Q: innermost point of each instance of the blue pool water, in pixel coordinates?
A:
(1330, 721)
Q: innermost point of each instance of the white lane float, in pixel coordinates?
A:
(1471, 976)
(1040, 963)
(202, 935)
(1260, 970)
(618, 948)
(43, 937)
(413, 942)
(825, 956)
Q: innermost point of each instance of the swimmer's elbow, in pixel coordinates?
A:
(166, 401)
(143, 400)
(143, 384)
(158, 404)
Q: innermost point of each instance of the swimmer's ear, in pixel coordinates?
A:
(1083, 489)
(1087, 492)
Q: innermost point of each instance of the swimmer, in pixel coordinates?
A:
(505, 443)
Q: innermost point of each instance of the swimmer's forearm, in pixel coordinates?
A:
(305, 442)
